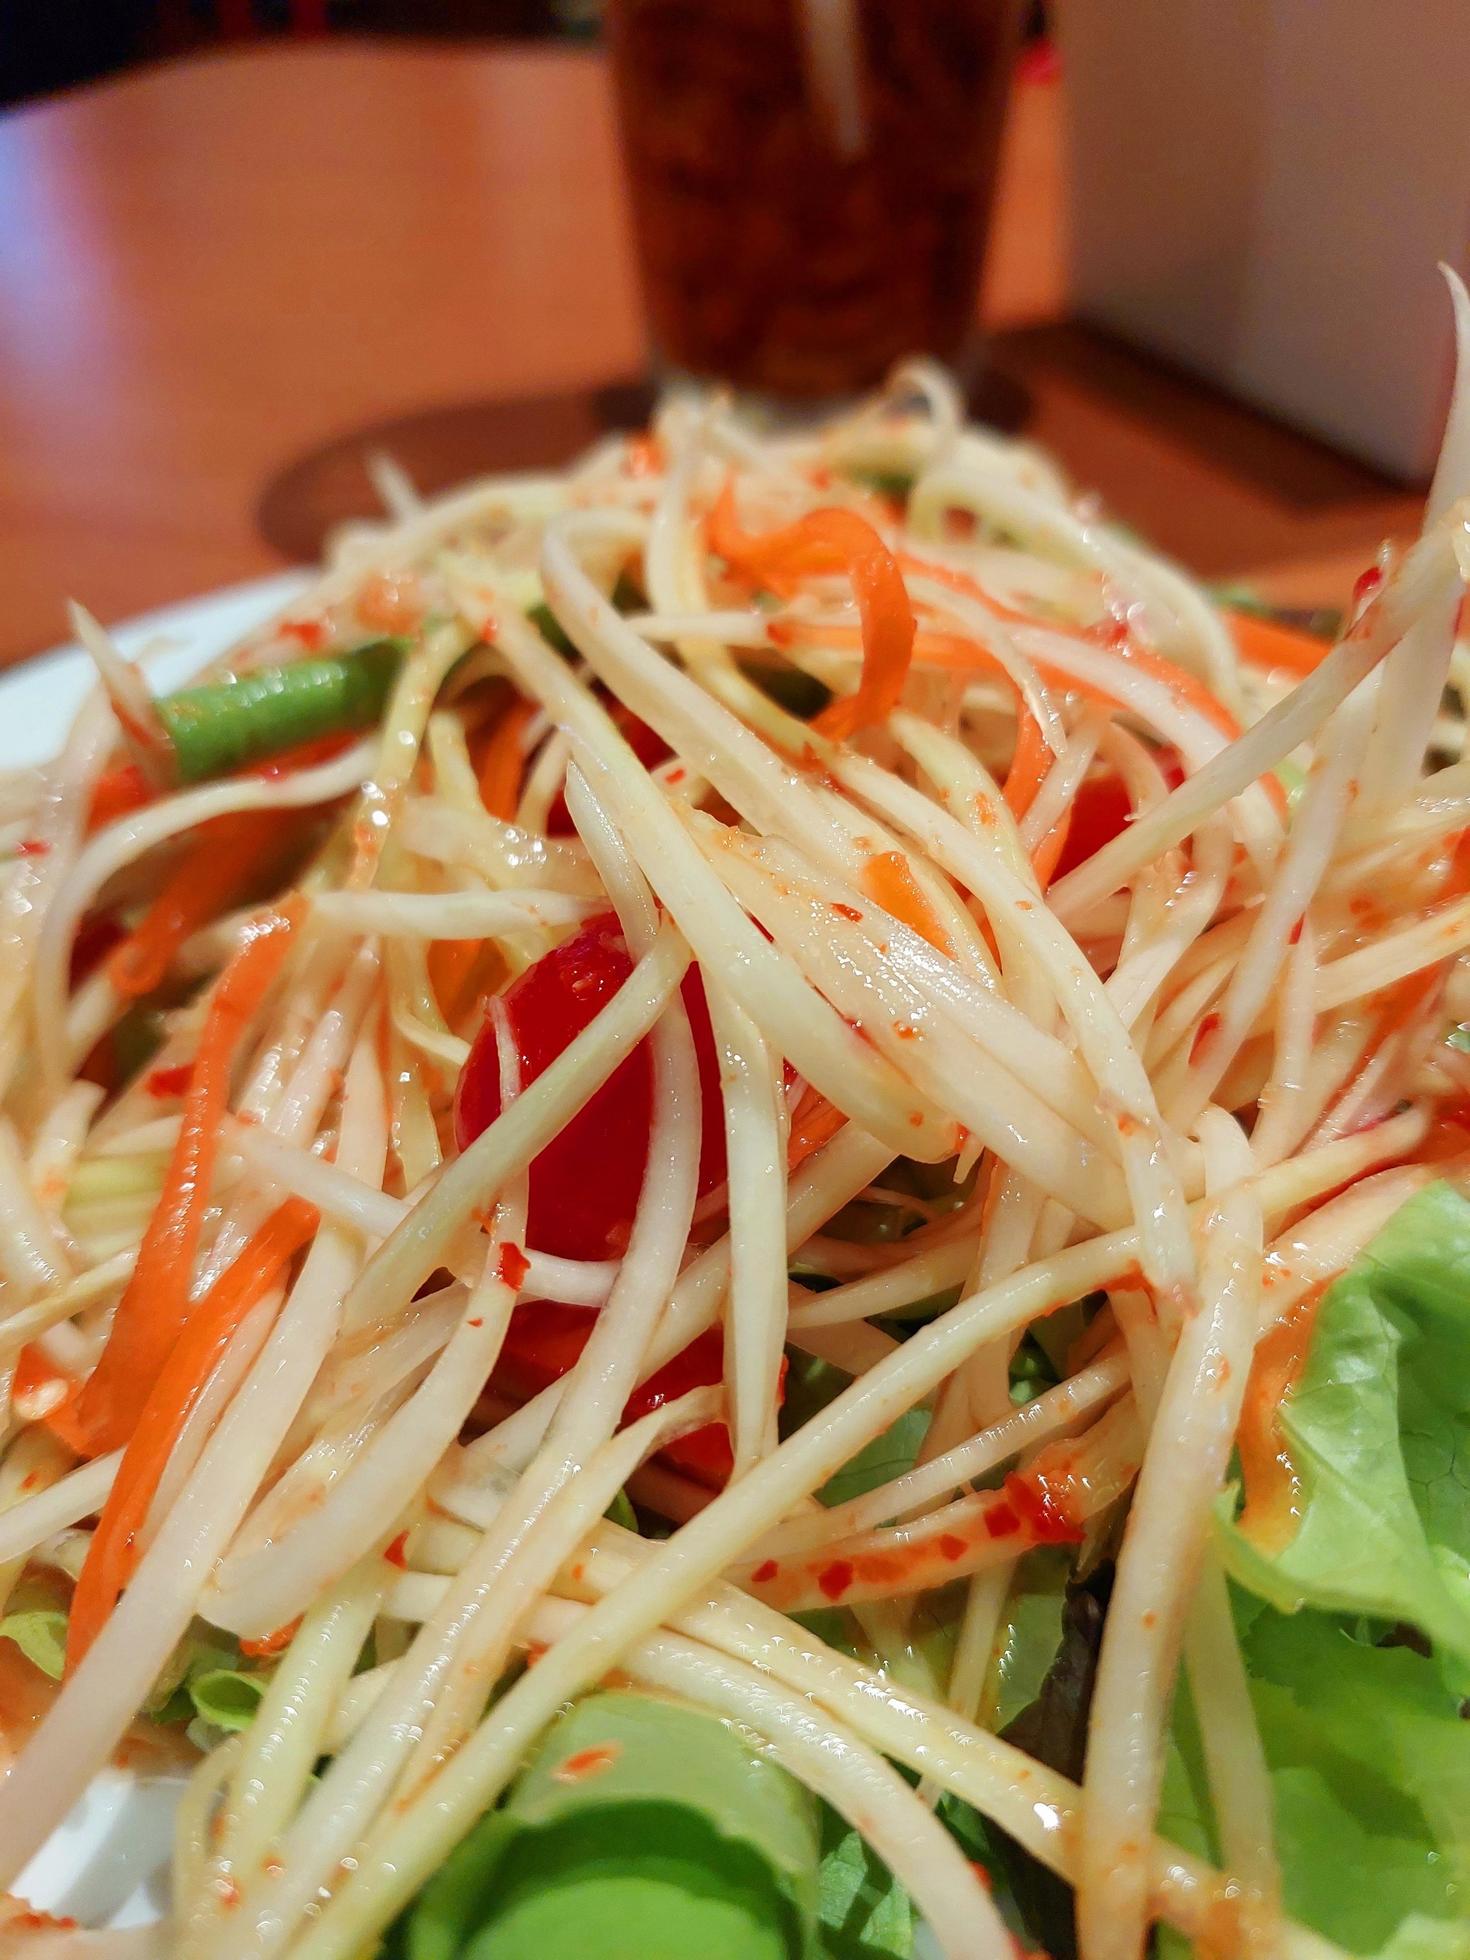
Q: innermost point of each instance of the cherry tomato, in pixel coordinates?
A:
(584, 1185)
(94, 940)
(1101, 809)
(649, 748)
(544, 1340)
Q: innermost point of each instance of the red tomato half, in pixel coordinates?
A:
(544, 1340)
(584, 1186)
(1101, 809)
(650, 749)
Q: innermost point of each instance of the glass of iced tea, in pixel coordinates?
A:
(811, 181)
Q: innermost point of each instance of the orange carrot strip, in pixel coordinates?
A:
(274, 1642)
(449, 963)
(1047, 855)
(1267, 643)
(959, 581)
(156, 1303)
(951, 650)
(116, 793)
(815, 1122)
(113, 1554)
(503, 765)
(502, 770)
(1029, 764)
(1185, 686)
(828, 541)
(889, 882)
(223, 860)
(33, 1373)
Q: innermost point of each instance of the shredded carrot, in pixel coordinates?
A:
(503, 763)
(1029, 764)
(113, 1554)
(116, 793)
(223, 861)
(274, 1642)
(954, 651)
(828, 541)
(1047, 855)
(815, 1122)
(155, 1305)
(1267, 643)
(1185, 687)
(502, 769)
(889, 882)
(451, 962)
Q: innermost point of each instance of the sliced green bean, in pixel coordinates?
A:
(229, 724)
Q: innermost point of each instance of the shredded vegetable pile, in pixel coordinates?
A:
(731, 1219)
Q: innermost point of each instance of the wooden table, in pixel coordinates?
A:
(216, 278)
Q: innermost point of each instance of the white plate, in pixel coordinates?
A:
(107, 1864)
(39, 698)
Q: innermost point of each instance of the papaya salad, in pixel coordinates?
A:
(733, 1219)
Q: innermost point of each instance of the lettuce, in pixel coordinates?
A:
(1030, 1635)
(202, 1679)
(810, 1385)
(226, 1697)
(1370, 1773)
(642, 1829)
(1379, 1431)
(889, 1455)
(864, 1913)
(40, 1634)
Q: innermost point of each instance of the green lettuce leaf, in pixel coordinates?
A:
(865, 1914)
(642, 1829)
(889, 1455)
(206, 1683)
(1370, 1772)
(1379, 1431)
(1030, 1636)
(40, 1634)
(810, 1385)
(621, 1511)
(226, 1697)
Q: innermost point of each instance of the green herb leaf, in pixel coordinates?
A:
(1379, 1432)
(643, 1829)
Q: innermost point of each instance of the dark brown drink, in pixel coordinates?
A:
(811, 180)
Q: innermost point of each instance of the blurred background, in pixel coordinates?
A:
(1191, 249)
(53, 44)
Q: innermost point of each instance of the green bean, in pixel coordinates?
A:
(228, 724)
